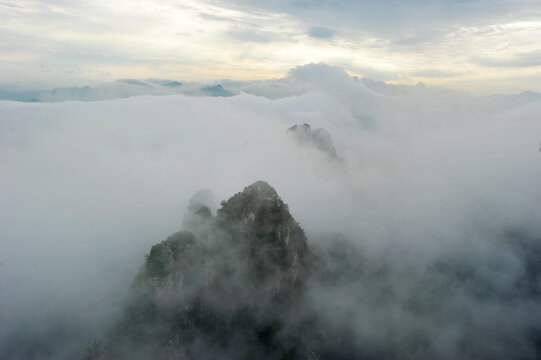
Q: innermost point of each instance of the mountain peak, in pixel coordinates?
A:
(232, 279)
(319, 139)
(263, 190)
(246, 204)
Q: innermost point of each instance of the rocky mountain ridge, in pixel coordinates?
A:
(226, 284)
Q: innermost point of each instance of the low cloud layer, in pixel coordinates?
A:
(298, 81)
(432, 186)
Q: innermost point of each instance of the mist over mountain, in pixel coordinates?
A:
(225, 286)
(318, 139)
(421, 242)
(297, 82)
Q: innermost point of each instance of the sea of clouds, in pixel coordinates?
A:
(429, 179)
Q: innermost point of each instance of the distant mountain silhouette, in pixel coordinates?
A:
(319, 139)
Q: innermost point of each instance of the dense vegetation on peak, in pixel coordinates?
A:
(227, 284)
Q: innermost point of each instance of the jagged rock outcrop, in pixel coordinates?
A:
(226, 286)
(319, 139)
(273, 244)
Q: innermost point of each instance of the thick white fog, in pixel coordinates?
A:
(88, 187)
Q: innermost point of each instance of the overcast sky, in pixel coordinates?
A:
(474, 45)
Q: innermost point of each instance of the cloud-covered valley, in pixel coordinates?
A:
(435, 198)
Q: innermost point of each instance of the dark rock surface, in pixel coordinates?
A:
(319, 139)
(227, 288)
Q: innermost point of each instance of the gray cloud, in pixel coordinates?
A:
(396, 17)
(532, 59)
(321, 32)
(11, 5)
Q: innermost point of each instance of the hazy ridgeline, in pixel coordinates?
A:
(427, 222)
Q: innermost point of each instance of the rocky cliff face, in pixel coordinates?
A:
(271, 242)
(226, 286)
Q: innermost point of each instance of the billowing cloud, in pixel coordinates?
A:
(437, 191)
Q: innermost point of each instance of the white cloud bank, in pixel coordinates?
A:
(88, 187)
